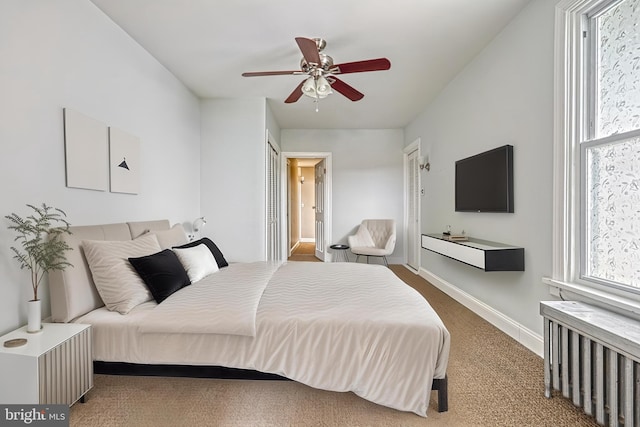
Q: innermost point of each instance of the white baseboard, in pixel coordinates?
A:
(515, 330)
(295, 246)
(307, 240)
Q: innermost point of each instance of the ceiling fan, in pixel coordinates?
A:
(322, 72)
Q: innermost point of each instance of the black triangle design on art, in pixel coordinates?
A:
(124, 164)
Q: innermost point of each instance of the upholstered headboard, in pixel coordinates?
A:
(73, 292)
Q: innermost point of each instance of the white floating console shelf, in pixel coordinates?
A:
(483, 254)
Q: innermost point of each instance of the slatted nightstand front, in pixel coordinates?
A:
(54, 367)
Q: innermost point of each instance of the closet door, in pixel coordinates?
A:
(273, 203)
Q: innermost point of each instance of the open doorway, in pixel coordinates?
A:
(306, 199)
(302, 242)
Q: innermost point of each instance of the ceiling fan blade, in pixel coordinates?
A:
(295, 95)
(346, 90)
(309, 50)
(270, 73)
(379, 64)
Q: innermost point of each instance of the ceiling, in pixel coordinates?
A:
(208, 44)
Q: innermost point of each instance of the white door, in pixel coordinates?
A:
(273, 203)
(413, 210)
(320, 173)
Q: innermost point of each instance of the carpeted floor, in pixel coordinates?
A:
(304, 251)
(493, 381)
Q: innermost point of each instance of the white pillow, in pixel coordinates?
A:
(175, 236)
(118, 283)
(198, 261)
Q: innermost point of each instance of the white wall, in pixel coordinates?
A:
(367, 176)
(67, 53)
(504, 96)
(272, 124)
(233, 176)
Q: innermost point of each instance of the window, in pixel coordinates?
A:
(611, 146)
(597, 144)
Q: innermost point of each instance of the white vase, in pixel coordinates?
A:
(34, 316)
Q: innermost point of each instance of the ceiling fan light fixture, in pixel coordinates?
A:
(309, 87)
(316, 87)
(323, 88)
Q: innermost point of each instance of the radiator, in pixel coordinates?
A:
(592, 357)
(65, 373)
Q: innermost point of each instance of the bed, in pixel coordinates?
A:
(334, 326)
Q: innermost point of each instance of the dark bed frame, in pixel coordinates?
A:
(221, 372)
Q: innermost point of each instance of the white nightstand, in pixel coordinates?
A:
(55, 366)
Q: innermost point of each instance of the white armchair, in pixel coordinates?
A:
(375, 237)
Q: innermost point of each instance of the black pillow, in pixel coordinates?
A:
(163, 273)
(212, 247)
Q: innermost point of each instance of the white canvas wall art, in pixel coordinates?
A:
(86, 151)
(124, 162)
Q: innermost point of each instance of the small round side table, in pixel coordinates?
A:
(341, 252)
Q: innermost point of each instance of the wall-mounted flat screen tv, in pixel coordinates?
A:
(484, 182)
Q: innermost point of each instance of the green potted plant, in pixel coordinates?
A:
(41, 250)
